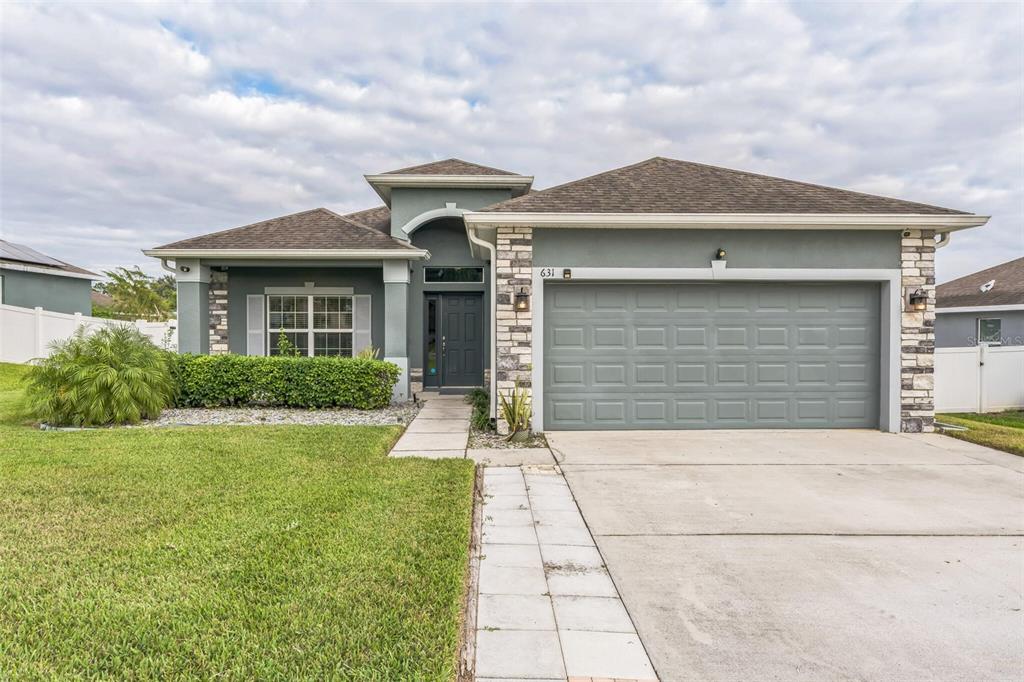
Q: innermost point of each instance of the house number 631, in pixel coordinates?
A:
(547, 272)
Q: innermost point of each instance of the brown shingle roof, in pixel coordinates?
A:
(318, 228)
(661, 185)
(966, 291)
(378, 218)
(449, 167)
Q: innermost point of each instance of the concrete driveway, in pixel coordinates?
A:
(809, 555)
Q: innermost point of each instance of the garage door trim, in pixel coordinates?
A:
(890, 310)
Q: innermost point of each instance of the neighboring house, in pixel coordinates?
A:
(661, 295)
(30, 279)
(986, 307)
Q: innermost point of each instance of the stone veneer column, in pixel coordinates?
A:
(917, 346)
(218, 298)
(513, 330)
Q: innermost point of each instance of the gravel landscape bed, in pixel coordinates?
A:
(257, 416)
(490, 439)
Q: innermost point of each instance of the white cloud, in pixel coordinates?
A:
(125, 126)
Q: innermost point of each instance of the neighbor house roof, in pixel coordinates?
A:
(449, 167)
(24, 257)
(974, 291)
(318, 228)
(662, 185)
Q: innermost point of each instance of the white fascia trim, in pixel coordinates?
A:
(296, 254)
(48, 271)
(734, 221)
(308, 290)
(723, 274)
(383, 184)
(982, 308)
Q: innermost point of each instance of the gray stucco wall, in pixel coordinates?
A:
(50, 292)
(695, 248)
(446, 240)
(408, 202)
(243, 281)
(958, 330)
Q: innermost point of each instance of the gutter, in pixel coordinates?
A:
(296, 254)
(474, 239)
(734, 221)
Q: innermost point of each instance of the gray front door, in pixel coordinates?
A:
(669, 355)
(454, 344)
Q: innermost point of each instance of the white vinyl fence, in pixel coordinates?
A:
(979, 379)
(26, 333)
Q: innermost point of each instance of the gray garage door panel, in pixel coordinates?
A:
(689, 355)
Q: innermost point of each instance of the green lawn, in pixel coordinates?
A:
(228, 552)
(999, 430)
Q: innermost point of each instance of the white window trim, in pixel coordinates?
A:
(453, 267)
(998, 342)
(310, 330)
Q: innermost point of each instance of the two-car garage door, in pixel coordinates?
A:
(629, 355)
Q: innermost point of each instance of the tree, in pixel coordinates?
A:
(137, 295)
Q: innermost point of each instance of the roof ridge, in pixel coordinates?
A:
(805, 183)
(980, 273)
(367, 227)
(348, 216)
(242, 227)
(497, 171)
(534, 193)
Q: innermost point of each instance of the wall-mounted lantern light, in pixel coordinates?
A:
(522, 301)
(567, 273)
(720, 254)
(185, 268)
(918, 300)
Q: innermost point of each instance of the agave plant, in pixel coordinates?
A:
(515, 409)
(368, 353)
(112, 376)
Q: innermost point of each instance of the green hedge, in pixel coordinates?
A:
(230, 380)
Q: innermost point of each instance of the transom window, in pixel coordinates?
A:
(315, 325)
(451, 274)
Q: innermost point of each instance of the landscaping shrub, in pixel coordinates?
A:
(228, 380)
(480, 399)
(113, 376)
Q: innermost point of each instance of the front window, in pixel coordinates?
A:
(990, 331)
(314, 325)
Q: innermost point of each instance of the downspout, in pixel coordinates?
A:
(473, 238)
(168, 268)
(939, 243)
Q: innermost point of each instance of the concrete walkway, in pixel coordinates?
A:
(548, 609)
(441, 430)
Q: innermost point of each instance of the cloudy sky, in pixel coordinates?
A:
(128, 126)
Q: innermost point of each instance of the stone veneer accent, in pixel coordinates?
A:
(917, 344)
(514, 330)
(218, 312)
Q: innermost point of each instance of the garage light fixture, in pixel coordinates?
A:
(522, 302)
(918, 300)
(567, 273)
(720, 254)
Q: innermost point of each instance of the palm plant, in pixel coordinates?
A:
(112, 376)
(515, 409)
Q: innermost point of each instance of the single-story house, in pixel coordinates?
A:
(984, 307)
(30, 279)
(661, 295)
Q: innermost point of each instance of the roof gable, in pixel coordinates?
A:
(662, 185)
(1008, 287)
(449, 167)
(318, 228)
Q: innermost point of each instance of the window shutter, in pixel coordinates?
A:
(255, 328)
(361, 337)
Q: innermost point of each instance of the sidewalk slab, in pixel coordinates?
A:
(431, 441)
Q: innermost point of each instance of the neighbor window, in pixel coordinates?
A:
(315, 325)
(453, 275)
(990, 331)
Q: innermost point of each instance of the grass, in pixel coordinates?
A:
(1000, 430)
(228, 552)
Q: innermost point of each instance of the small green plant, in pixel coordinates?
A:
(112, 376)
(515, 409)
(285, 347)
(368, 353)
(480, 399)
